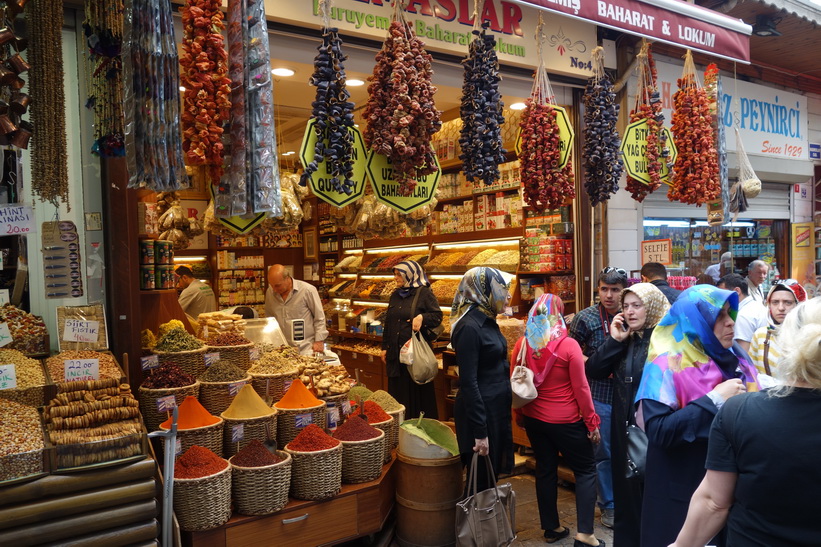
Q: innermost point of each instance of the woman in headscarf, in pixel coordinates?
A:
(482, 409)
(561, 418)
(401, 320)
(643, 305)
(692, 368)
(764, 348)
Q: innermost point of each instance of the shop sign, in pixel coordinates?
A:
(566, 136)
(380, 171)
(240, 224)
(802, 257)
(320, 179)
(815, 151)
(634, 153)
(657, 250)
(446, 26)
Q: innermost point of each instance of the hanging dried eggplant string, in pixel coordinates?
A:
(602, 161)
(546, 185)
(481, 107)
(332, 110)
(49, 157)
(718, 211)
(695, 175)
(648, 107)
(103, 26)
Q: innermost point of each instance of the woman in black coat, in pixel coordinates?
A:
(400, 321)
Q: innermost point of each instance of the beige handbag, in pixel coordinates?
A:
(486, 518)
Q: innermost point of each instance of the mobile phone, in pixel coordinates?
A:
(624, 326)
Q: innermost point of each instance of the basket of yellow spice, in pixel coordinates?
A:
(232, 347)
(161, 382)
(379, 419)
(195, 426)
(202, 490)
(258, 421)
(297, 409)
(273, 371)
(181, 348)
(316, 472)
(219, 384)
(261, 479)
(363, 449)
(395, 410)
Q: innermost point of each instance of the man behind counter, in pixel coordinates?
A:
(288, 298)
(196, 297)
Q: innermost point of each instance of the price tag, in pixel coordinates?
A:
(253, 354)
(4, 295)
(211, 358)
(304, 420)
(16, 219)
(333, 416)
(149, 362)
(346, 407)
(166, 404)
(81, 331)
(5, 335)
(234, 388)
(237, 432)
(80, 370)
(178, 447)
(8, 376)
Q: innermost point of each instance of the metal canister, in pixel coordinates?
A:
(147, 277)
(163, 252)
(147, 251)
(166, 274)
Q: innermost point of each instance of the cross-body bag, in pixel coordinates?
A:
(636, 437)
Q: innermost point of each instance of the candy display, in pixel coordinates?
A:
(349, 263)
(713, 87)
(444, 289)
(215, 324)
(481, 109)
(360, 346)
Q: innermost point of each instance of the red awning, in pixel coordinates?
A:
(672, 21)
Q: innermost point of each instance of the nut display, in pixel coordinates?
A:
(445, 289)
(29, 372)
(21, 449)
(28, 331)
(108, 365)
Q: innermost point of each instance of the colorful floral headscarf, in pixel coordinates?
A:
(685, 360)
(544, 330)
(483, 288)
(785, 285)
(655, 303)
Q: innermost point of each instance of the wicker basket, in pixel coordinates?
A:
(192, 362)
(271, 387)
(216, 396)
(209, 436)
(203, 503)
(262, 490)
(262, 429)
(236, 355)
(398, 417)
(287, 429)
(316, 475)
(389, 427)
(362, 460)
(148, 402)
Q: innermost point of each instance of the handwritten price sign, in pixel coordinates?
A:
(8, 377)
(81, 331)
(81, 370)
(5, 335)
(16, 220)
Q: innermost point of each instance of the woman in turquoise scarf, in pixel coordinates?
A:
(692, 367)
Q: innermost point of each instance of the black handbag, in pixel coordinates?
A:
(636, 437)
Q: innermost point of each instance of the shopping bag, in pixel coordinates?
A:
(486, 518)
(406, 352)
(521, 380)
(423, 366)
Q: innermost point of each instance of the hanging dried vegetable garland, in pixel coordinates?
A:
(49, 157)
(695, 175)
(204, 75)
(546, 184)
(602, 160)
(400, 113)
(103, 26)
(648, 107)
(718, 213)
(481, 109)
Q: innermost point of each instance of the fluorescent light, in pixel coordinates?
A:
(370, 304)
(282, 71)
(739, 224)
(518, 106)
(352, 251)
(365, 276)
(189, 258)
(389, 250)
(355, 83)
(346, 276)
(445, 276)
(668, 223)
(473, 244)
(289, 153)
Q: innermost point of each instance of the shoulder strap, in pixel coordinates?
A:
(415, 300)
(628, 380)
(767, 353)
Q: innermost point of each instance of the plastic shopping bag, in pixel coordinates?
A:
(406, 352)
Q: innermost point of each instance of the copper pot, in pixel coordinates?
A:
(22, 136)
(18, 83)
(7, 76)
(6, 125)
(19, 103)
(18, 64)
(16, 6)
(20, 44)
(4, 107)
(6, 35)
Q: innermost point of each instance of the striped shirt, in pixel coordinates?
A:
(756, 352)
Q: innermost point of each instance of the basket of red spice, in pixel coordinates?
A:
(297, 409)
(363, 450)
(195, 426)
(379, 419)
(202, 490)
(316, 471)
(232, 347)
(161, 382)
(261, 479)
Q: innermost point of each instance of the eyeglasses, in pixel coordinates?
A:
(611, 269)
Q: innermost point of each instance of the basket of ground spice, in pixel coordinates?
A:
(180, 347)
(195, 426)
(316, 472)
(161, 382)
(379, 419)
(258, 421)
(363, 450)
(232, 347)
(273, 371)
(261, 479)
(393, 408)
(297, 409)
(219, 384)
(202, 490)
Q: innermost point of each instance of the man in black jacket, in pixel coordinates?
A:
(656, 274)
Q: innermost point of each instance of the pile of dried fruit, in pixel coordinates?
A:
(481, 110)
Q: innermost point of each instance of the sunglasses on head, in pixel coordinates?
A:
(611, 269)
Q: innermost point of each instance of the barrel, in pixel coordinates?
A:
(427, 491)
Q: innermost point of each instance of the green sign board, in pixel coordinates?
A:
(386, 189)
(634, 152)
(320, 180)
(240, 224)
(566, 136)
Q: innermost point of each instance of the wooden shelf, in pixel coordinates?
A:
(359, 335)
(239, 269)
(240, 248)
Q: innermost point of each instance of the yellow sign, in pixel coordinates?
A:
(566, 136)
(241, 225)
(320, 180)
(657, 250)
(634, 152)
(386, 189)
(802, 257)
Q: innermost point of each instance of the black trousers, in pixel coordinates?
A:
(547, 440)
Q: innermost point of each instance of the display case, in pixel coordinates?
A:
(459, 257)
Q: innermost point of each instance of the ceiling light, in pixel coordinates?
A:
(289, 153)
(518, 106)
(765, 25)
(284, 72)
(355, 82)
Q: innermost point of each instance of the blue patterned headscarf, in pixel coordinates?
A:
(482, 288)
(413, 274)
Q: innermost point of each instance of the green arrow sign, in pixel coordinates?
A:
(634, 152)
(320, 179)
(566, 136)
(380, 170)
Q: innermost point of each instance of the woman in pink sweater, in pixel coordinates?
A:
(560, 419)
